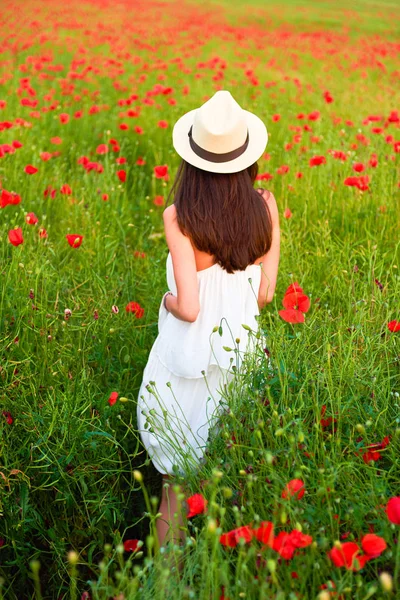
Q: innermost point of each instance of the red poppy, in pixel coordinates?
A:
(64, 118)
(30, 170)
(197, 504)
(265, 533)
(287, 213)
(296, 300)
(113, 398)
(56, 140)
(373, 545)
(276, 118)
(328, 97)
(283, 545)
(231, 538)
(7, 415)
(358, 167)
(393, 510)
(294, 488)
(134, 307)
(8, 198)
(121, 175)
(291, 315)
(317, 160)
(140, 161)
(300, 539)
(349, 556)
(15, 236)
(31, 218)
(102, 149)
(283, 169)
(162, 124)
(359, 182)
(394, 326)
(66, 189)
(158, 200)
(161, 171)
(74, 239)
(131, 545)
(371, 455)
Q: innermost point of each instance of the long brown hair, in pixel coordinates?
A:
(223, 214)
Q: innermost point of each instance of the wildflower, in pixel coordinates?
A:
(74, 239)
(295, 488)
(231, 538)
(113, 398)
(30, 169)
(15, 236)
(393, 510)
(197, 505)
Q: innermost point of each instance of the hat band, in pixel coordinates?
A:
(215, 156)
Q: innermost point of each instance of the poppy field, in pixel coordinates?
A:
(298, 493)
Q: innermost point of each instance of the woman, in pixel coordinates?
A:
(224, 242)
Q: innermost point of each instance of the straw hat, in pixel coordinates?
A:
(220, 136)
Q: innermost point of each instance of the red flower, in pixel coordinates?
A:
(121, 175)
(393, 510)
(287, 213)
(113, 398)
(162, 124)
(328, 98)
(131, 545)
(134, 307)
(66, 189)
(15, 236)
(74, 239)
(283, 169)
(265, 533)
(64, 118)
(161, 171)
(283, 545)
(158, 200)
(394, 326)
(373, 545)
(317, 160)
(297, 301)
(138, 130)
(360, 182)
(31, 218)
(30, 170)
(197, 505)
(359, 167)
(290, 315)
(276, 118)
(295, 488)
(231, 538)
(7, 415)
(140, 161)
(371, 455)
(9, 198)
(299, 539)
(102, 149)
(348, 555)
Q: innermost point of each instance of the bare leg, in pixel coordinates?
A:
(167, 525)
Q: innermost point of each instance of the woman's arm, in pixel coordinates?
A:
(185, 305)
(270, 261)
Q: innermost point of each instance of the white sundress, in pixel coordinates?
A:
(174, 420)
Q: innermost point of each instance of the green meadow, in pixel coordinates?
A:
(89, 94)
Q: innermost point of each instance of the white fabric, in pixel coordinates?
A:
(182, 415)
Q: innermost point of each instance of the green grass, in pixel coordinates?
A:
(67, 459)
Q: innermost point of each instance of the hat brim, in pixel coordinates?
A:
(258, 139)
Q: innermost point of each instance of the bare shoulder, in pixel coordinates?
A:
(270, 201)
(169, 213)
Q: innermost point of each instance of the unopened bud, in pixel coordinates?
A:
(137, 475)
(386, 581)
